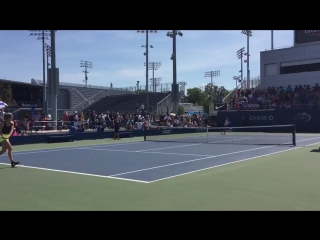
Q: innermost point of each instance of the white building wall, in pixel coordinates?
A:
(279, 56)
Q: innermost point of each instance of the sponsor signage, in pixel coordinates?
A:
(166, 132)
(220, 106)
(299, 117)
(302, 117)
(29, 104)
(306, 36)
(261, 118)
(307, 120)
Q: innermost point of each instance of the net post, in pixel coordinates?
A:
(145, 134)
(207, 135)
(294, 135)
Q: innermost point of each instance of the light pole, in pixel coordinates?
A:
(48, 50)
(155, 82)
(86, 65)
(138, 87)
(175, 87)
(183, 89)
(42, 35)
(154, 66)
(240, 54)
(54, 79)
(212, 74)
(147, 58)
(272, 40)
(249, 34)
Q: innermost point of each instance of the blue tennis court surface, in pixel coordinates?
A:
(146, 162)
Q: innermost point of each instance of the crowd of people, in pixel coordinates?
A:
(138, 120)
(250, 99)
(297, 97)
(91, 120)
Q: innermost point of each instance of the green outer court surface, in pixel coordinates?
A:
(283, 181)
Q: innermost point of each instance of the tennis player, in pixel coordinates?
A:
(116, 129)
(6, 130)
(226, 124)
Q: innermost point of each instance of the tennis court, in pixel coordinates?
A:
(163, 175)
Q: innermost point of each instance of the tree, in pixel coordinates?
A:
(195, 95)
(180, 110)
(204, 98)
(6, 93)
(206, 104)
(211, 92)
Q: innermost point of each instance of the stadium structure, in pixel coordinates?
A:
(79, 97)
(288, 86)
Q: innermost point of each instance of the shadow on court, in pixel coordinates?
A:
(315, 150)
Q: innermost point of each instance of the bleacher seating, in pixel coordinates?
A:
(276, 98)
(87, 92)
(81, 94)
(127, 102)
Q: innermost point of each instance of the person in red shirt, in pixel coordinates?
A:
(65, 120)
(43, 119)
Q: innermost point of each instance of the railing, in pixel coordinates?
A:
(88, 102)
(270, 49)
(254, 83)
(270, 107)
(79, 93)
(33, 81)
(82, 85)
(38, 110)
(163, 104)
(163, 87)
(231, 94)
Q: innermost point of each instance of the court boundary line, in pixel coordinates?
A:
(200, 159)
(242, 160)
(178, 154)
(194, 144)
(128, 151)
(311, 144)
(77, 173)
(224, 164)
(140, 181)
(96, 145)
(193, 160)
(70, 148)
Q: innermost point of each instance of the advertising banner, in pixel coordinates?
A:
(306, 120)
(306, 36)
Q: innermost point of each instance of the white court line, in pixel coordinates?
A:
(308, 140)
(112, 176)
(71, 148)
(194, 160)
(169, 147)
(311, 144)
(179, 154)
(242, 160)
(199, 159)
(98, 145)
(78, 173)
(182, 154)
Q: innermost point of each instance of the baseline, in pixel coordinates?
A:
(78, 173)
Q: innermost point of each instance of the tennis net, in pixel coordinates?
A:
(251, 135)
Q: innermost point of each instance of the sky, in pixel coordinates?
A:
(117, 56)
